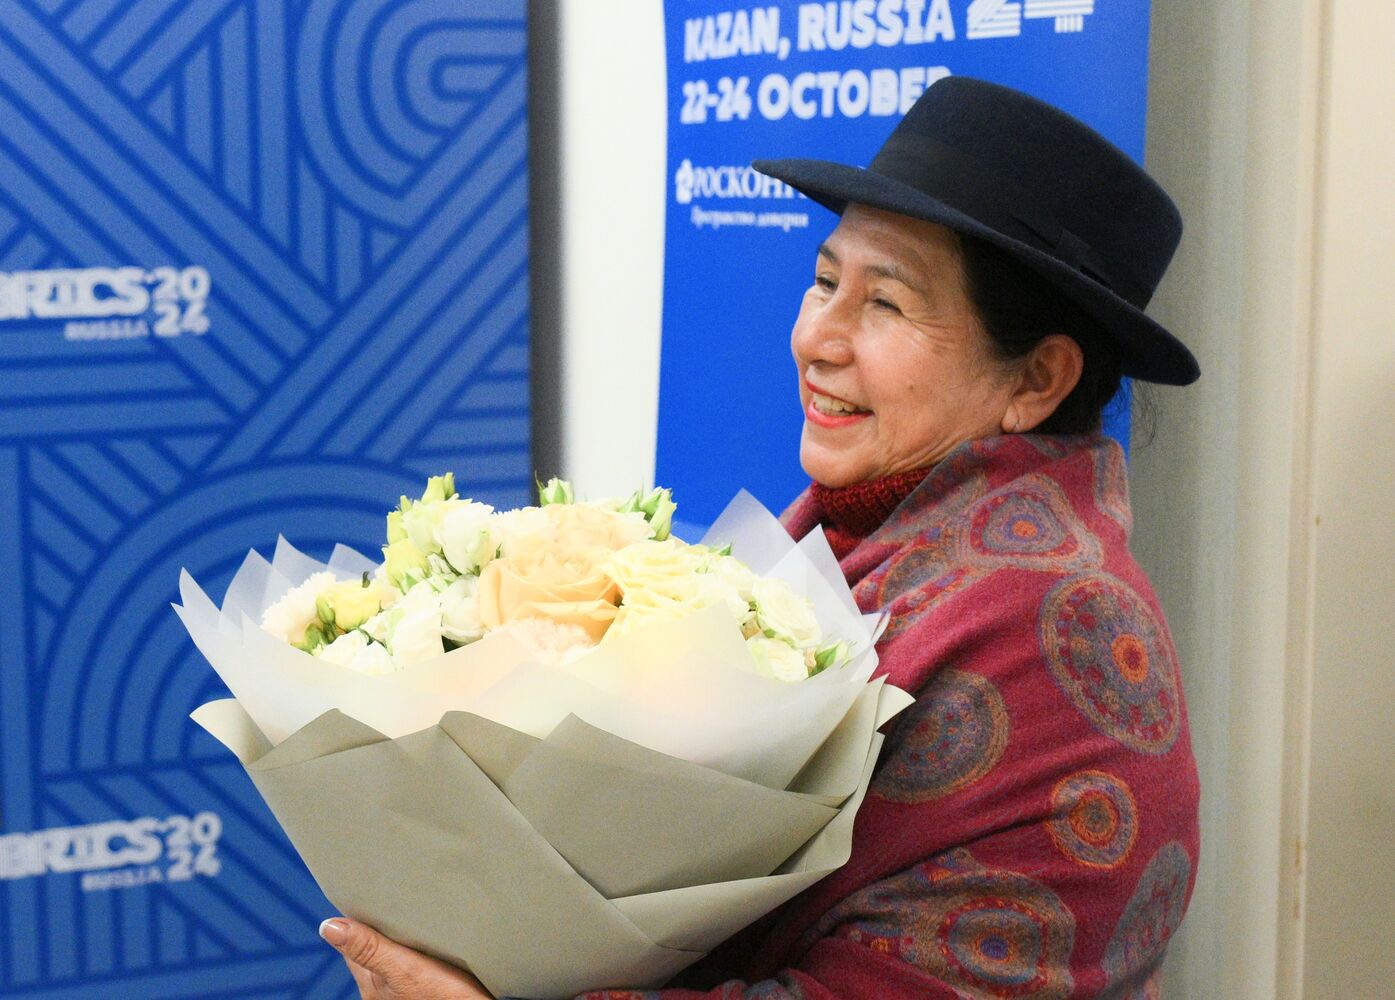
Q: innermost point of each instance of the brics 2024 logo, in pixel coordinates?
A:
(110, 303)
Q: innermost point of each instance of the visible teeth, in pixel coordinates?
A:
(833, 407)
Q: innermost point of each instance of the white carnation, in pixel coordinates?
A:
(288, 618)
(554, 643)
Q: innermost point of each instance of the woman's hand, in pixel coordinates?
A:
(386, 970)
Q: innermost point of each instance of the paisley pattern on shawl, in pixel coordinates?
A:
(1031, 829)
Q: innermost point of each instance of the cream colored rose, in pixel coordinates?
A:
(652, 609)
(655, 565)
(664, 580)
(734, 573)
(555, 569)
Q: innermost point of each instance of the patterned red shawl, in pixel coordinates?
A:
(1031, 830)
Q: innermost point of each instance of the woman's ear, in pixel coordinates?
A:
(1047, 376)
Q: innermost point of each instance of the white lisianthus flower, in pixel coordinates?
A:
(355, 651)
(414, 626)
(788, 615)
(377, 627)
(422, 523)
(290, 616)
(466, 535)
(460, 611)
(777, 659)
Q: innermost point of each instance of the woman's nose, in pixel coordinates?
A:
(824, 333)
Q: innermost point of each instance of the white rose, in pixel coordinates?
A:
(460, 611)
(780, 610)
(288, 618)
(777, 659)
(354, 651)
(734, 573)
(714, 589)
(466, 536)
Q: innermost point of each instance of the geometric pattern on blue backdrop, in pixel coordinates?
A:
(263, 267)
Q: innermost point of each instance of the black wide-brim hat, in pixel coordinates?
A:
(991, 162)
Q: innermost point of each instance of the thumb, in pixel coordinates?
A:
(362, 945)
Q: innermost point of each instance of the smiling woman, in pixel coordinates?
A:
(1031, 829)
(896, 365)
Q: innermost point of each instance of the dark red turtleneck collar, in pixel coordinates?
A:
(851, 513)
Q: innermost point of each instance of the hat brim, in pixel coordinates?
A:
(1148, 351)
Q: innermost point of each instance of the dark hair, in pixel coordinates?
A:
(1019, 309)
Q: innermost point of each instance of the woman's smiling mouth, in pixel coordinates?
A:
(830, 411)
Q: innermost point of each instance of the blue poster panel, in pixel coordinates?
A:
(263, 267)
(827, 80)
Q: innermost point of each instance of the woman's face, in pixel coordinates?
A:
(895, 368)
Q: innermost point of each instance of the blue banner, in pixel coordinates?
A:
(826, 80)
(263, 267)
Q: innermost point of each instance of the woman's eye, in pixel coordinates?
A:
(825, 282)
(884, 304)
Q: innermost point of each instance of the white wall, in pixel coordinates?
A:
(1350, 827)
(600, 235)
(1183, 480)
(1265, 510)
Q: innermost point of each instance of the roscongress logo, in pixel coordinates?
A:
(691, 182)
(110, 303)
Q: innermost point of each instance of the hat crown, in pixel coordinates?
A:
(1049, 191)
(991, 151)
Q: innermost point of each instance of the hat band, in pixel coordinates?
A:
(968, 186)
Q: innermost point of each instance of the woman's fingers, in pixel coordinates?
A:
(386, 970)
(381, 958)
(363, 979)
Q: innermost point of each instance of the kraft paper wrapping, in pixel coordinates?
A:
(550, 866)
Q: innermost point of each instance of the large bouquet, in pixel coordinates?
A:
(554, 745)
